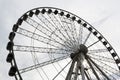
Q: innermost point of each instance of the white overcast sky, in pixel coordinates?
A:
(104, 15)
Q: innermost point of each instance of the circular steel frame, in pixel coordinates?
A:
(62, 12)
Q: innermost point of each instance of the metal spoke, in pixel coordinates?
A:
(39, 37)
(69, 75)
(34, 61)
(51, 27)
(40, 49)
(62, 69)
(80, 34)
(110, 68)
(44, 30)
(45, 21)
(113, 73)
(93, 44)
(45, 73)
(87, 38)
(82, 68)
(66, 28)
(97, 51)
(76, 71)
(65, 23)
(87, 76)
(58, 25)
(98, 68)
(42, 64)
(55, 66)
(91, 66)
(38, 26)
(106, 71)
(74, 31)
(102, 58)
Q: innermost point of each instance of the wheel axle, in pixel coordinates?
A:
(83, 50)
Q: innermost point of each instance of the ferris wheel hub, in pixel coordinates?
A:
(81, 51)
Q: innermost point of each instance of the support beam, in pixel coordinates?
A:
(95, 73)
(76, 71)
(69, 75)
(87, 76)
(42, 64)
(82, 69)
(99, 69)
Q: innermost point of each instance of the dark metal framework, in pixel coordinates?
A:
(64, 35)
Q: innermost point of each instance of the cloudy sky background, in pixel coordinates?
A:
(104, 15)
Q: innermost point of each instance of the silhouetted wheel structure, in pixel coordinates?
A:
(53, 44)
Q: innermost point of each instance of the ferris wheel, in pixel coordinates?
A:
(48, 43)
